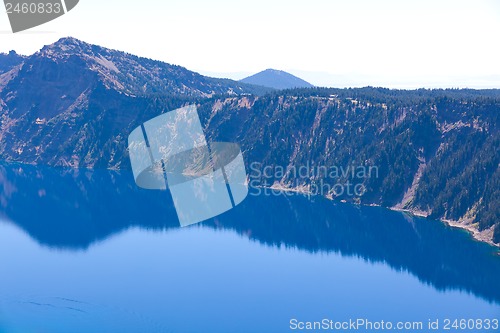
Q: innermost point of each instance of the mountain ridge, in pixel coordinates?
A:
(136, 75)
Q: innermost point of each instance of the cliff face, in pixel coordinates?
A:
(433, 152)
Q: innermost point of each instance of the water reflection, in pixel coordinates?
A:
(72, 209)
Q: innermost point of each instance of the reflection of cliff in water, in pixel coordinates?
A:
(67, 208)
(72, 209)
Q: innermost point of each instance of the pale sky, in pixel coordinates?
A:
(391, 43)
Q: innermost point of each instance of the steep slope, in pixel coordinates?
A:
(72, 102)
(276, 79)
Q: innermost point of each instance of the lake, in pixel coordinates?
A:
(88, 251)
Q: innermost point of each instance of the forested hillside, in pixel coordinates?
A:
(434, 152)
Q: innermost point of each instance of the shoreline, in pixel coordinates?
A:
(479, 236)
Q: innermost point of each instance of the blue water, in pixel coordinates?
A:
(87, 251)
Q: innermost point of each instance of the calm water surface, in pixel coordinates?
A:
(87, 251)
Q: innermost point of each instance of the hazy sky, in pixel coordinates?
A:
(424, 43)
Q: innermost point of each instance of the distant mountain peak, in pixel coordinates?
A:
(277, 79)
(275, 71)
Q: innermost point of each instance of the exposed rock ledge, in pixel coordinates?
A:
(466, 224)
